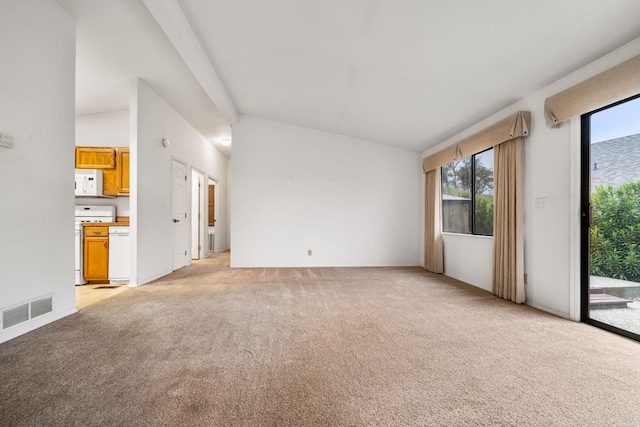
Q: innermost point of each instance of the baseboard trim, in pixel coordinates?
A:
(149, 279)
(549, 310)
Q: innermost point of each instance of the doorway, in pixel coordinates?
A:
(211, 216)
(179, 214)
(610, 236)
(197, 214)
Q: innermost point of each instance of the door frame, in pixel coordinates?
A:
(216, 211)
(585, 217)
(575, 236)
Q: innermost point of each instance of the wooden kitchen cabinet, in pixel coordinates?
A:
(96, 253)
(95, 158)
(122, 162)
(110, 182)
(114, 163)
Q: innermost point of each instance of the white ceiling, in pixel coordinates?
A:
(408, 73)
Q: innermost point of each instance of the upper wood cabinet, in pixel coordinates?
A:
(109, 182)
(114, 163)
(123, 171)
(95, 158)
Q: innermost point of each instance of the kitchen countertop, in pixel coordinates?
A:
(105, 224)
(120, 221)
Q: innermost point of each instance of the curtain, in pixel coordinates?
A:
(433, 251)
(615, 84)
(508, 247)
(507, 138)
(506, 129)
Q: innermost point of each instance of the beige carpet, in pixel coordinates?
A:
(211, 346)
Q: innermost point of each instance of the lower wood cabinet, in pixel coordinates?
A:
(96, 253)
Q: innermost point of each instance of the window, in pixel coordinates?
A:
(467, 195)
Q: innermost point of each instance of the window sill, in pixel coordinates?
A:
(448, 233)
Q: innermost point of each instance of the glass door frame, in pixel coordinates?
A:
(585, 222)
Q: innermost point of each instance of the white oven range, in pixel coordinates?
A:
(88, 214)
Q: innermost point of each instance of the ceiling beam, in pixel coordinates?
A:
(171, 19)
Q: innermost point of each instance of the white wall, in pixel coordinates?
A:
(352, 202)
(37, 47)
(104, 130)
(550, 233)
(152, 119)
(476, 269)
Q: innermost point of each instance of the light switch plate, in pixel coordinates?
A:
(6, 141)
(541, 202)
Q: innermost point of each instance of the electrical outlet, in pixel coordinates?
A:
(309, 252)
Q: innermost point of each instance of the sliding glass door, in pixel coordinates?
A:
(611, 218)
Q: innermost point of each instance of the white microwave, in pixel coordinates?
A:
(88, 182)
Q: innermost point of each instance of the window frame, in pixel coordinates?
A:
(472, 213)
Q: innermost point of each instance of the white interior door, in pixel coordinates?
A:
(180, 228)
(196, 214)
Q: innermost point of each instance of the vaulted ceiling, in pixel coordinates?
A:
(407, 73)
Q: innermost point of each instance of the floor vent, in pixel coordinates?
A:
(21, 313)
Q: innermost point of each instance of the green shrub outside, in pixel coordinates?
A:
(484, 215)
(615, 232)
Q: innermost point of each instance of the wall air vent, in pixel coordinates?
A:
(15, 315)
(23, 312)
(41, 306)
